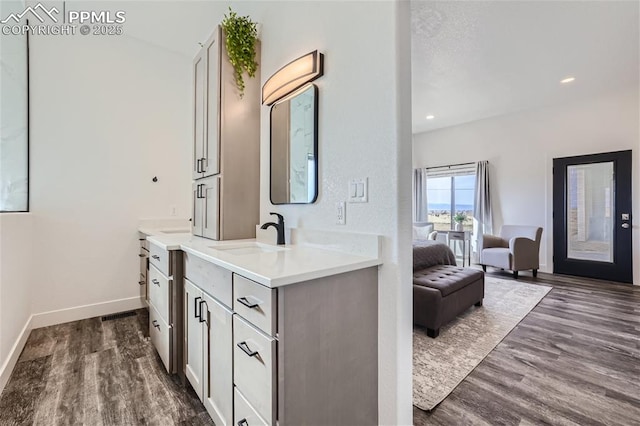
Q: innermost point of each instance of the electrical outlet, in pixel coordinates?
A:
(341, 211)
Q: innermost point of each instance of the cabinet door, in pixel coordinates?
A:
(211, 163)
(193, 348)
(197, 219)
(211, 207)
(199, 111)
(218, 371)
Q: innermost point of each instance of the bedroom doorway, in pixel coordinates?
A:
(592, 216)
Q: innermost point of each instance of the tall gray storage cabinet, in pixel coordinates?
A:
(226, 146)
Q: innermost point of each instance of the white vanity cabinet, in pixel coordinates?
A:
(302, 353)
(165, 305)
(208, 335)
(226, 146)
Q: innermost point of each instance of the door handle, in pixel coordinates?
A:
(201, 311)
(625, 225)
(195, 307)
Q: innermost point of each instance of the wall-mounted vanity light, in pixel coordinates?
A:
(293, 76)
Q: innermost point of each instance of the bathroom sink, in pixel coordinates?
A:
(175, 231)
(248, 248)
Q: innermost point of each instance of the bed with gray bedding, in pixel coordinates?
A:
(428, 253)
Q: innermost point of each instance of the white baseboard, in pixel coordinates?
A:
(76, 313)
(7, 368)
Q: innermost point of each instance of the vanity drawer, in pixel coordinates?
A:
(160, 334)
(159, 258)
(255, 303)
(160, 292)
(254, 367)
(243, 413)
(212, 279)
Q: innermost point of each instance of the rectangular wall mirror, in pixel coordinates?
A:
(294, 147)
(14, 116)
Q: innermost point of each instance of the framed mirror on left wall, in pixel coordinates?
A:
(14, 116)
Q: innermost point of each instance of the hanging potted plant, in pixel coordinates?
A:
(241, 37)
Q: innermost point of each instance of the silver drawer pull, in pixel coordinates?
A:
(156, 282)
(141, 283)
(246, 350)
(142, 255)
(156, 257)
(156, 325)
(246, 303)
(243, 422)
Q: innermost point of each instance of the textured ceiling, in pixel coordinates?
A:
(473, 60)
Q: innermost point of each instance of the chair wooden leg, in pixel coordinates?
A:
(535, 273)
(515, 274)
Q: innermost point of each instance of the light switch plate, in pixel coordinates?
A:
(341, 213)
(358, 190)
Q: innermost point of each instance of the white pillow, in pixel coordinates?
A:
(422, 232)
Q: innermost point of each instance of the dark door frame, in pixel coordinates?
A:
(621, 270)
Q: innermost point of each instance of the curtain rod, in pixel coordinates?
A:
(449, 166)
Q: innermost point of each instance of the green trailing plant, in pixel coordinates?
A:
(460, 217)
(241, 38)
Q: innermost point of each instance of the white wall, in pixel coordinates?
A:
(520, 148)
(16, 266)
(108, 113)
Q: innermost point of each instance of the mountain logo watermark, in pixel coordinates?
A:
(49, 21)
(33, 11)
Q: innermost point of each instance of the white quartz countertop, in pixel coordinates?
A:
(274, 266)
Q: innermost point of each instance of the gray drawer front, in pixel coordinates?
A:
(159, 258)
(255, 303)
(212, 279)
(254, 367)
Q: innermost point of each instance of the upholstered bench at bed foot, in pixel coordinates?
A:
(440, 293)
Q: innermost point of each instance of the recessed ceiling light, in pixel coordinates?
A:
(567, 80)
(430, 117)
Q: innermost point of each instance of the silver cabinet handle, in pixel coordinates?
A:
(204, 164)
(625, 225)
(141, 283)
(155, 324)
(156, 257)
(141, 255)
(243, 422)
(156, 282)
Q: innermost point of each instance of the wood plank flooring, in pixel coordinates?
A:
(574, 360)
(96, 373)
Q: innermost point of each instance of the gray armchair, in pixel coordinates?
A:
(517, 248)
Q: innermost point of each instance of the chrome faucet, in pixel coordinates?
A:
(279, 227)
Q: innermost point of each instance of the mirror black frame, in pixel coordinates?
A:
(315, 143)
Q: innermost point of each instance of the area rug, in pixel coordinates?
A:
(440, 364)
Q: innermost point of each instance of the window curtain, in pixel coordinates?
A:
(420, 213)
(482, 205)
